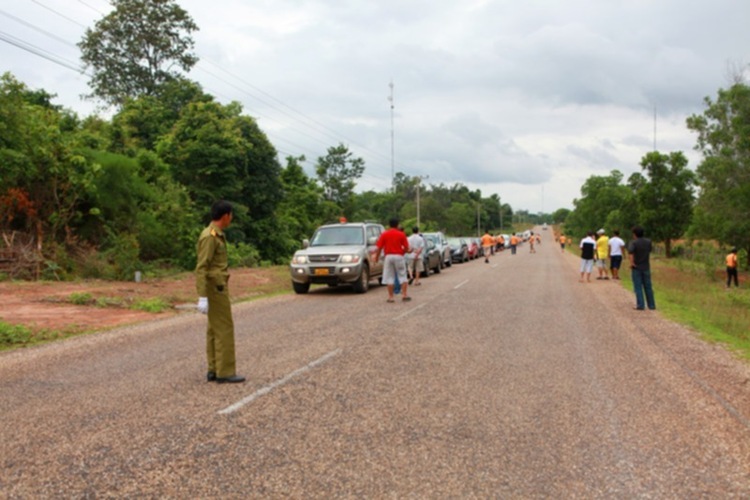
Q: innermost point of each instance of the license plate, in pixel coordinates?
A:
(321, 271)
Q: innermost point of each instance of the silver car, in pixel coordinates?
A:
(338, 254)
(441, 243)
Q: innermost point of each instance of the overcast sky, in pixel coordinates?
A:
(523, 99)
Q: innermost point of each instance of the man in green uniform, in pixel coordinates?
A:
(212, 276)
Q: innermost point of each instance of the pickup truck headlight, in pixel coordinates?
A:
(350, 259)
(299, 259)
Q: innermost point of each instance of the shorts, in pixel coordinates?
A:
(601, 263)
(394, 265)
(416, 265)
(615, 261)
(587, 265)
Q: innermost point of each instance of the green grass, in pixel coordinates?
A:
(80, 298)
(696, 297)
(155, 305)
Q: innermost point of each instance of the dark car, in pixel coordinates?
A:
(441, 243)
(459, 249)
(431, 259)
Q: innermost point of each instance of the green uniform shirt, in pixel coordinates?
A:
(212, 267)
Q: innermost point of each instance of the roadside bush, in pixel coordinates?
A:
(243, 255)
(13, 334)
(155, 305)
(80, 298)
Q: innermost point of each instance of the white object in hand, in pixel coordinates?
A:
(203, 305)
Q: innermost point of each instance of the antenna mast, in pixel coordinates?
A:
(393, 172)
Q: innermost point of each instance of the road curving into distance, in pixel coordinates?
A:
(508, 379)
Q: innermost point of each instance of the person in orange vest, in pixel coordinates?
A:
(732, 268)
(500, 242)
(487, 242)
(562, 242)
(532, 240)
(513, 244)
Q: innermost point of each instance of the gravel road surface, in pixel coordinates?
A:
(500, 380)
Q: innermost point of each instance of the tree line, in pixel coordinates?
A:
(673, 202)
(98, 197)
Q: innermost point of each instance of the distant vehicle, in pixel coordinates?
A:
(506, 240)
(475, 247)
(338, 254)
(459, 249)
(431, 259)
(544, 226)
(441, 243)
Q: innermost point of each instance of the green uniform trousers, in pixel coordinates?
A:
(220, 332)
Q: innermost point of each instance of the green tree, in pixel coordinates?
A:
(338, 172)
(723, 206)
(605, 202)
(43, 163)
(665, 197)
(135, 50)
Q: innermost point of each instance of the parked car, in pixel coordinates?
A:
(338, 254)
(506, 240)
(475, 247)
(459, 249)
(441, 243)
(431, 259)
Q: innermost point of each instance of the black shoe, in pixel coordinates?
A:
(210, 377)
(234, 379)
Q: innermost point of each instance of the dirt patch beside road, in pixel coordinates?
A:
(47, 305)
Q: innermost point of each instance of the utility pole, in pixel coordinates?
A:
(393, 167)
(419, 184)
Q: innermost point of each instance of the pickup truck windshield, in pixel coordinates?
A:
(332, 236)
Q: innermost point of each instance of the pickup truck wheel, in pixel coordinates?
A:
(300, 287)
(363, 283)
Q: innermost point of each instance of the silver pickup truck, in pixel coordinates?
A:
(338, 254)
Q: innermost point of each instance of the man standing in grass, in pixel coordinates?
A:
(732, 268)
(639, 252)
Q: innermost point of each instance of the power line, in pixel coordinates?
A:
(8, 38)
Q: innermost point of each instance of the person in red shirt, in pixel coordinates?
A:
(395, 246)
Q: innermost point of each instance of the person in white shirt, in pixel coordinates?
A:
(615, 254)
(416, 264)
(588, 249)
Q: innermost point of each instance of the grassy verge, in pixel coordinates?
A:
(272, 281)
(689, 295)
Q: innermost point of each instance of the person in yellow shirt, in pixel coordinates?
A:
(562, 242)
(487, 242)
(602, 253)
(732, 268)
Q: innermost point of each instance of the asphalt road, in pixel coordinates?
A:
(500, 380)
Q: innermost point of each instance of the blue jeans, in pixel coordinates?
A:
(641, 283)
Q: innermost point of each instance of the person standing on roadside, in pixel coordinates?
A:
(602, 252)
(615, 254)
(588, 249)
(532, 240)
(487, 243)
(732, 268)
(562, 242)
(416, 264)
(211, 279)
(639, 252)
(394, 245)
(513, 244)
